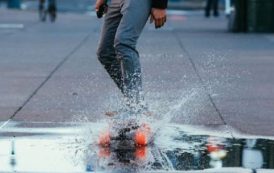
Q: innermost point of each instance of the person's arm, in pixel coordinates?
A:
(158, 12)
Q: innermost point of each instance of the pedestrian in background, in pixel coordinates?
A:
(227, 7)
(212, 4)
(47, 7)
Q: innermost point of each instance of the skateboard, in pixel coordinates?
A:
(126, 135)
(125, 143)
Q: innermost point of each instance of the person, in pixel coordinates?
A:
(51, 9)
(227, 7)
(212, 4)
(123, 24)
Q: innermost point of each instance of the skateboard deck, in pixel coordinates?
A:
(131, 129)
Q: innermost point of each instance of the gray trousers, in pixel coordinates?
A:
(117, 52)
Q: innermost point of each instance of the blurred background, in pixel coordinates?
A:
(243, 15)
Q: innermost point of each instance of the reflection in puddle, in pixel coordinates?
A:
(180, 151)
(34, 154)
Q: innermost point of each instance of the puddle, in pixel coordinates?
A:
(174, 149)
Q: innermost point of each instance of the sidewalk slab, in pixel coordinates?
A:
(29, 56)
(237, 70)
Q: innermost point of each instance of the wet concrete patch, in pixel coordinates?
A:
(73, 148)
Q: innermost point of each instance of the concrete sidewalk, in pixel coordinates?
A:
(195, 72)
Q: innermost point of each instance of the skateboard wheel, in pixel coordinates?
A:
(104, 152)
(141, 153)
(104, 139)
(141, 135)
(140, 138)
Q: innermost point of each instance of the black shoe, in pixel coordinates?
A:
(216, 14)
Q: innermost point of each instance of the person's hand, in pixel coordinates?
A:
(158, 16)
(98, 4)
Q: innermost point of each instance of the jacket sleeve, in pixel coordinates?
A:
(161, 4)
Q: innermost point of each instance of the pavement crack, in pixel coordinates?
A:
(199, 76)
(50, 75)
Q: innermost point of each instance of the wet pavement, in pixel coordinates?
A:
(73, 148)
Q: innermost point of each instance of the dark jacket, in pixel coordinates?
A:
(162, 4)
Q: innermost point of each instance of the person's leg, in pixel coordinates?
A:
(52, 4)
(52, 9)
(135, 14)
(208, 8)
(42, 10)
(216, 8)
(106, 52)
(41, 3)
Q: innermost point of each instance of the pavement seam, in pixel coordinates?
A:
(47, 79)
(199, 76)
(5, 123)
